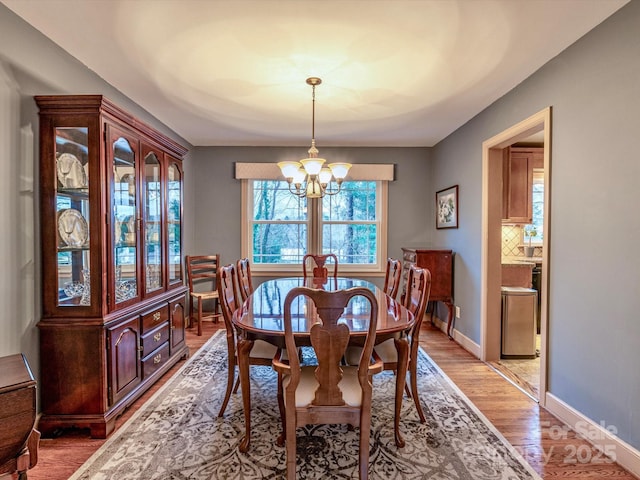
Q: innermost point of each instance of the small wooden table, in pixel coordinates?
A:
(18, 439)
(261, 318)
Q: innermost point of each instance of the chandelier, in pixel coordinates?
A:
(309, 177)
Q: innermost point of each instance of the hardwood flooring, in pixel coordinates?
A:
(518, 418)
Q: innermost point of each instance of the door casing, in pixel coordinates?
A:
(491, 254)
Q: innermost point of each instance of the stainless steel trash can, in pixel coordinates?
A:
(519, 307)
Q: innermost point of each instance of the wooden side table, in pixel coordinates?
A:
(440, 264)
(18, 439)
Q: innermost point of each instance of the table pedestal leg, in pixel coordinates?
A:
(402, 348)
(244, 347)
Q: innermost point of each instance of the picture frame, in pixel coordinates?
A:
(447, 208)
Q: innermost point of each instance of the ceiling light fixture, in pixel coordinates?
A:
(308, 177)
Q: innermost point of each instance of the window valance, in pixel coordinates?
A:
(270, 171)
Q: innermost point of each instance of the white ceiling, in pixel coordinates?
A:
(394, 72)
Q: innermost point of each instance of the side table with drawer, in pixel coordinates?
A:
(440, 264)
(18, 437)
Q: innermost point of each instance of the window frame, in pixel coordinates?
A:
(315, 223)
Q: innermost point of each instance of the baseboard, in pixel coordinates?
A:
(597, 434)
(465, 342)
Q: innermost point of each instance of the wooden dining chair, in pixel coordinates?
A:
(262, 353)
(201, 278)
(392, 277)
(415, 300)
(319, 268)
(328, 392)
(245, 284)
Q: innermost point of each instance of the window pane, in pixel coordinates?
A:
(356, 201)
(352, 243)
(538, 206)
(279, 243)
(273, 201)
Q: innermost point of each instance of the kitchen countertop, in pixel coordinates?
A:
(521, 260)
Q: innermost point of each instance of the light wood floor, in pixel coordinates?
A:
(516, 416)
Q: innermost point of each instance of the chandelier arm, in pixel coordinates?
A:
(294, 192)
(328, 191)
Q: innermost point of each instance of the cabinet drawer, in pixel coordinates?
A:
(155, 338)
(155, 360)
(155, 317)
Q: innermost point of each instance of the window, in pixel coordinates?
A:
(538, 209)
(280, 228)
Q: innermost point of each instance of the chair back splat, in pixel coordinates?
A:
(328, 392)
(245, 284)
(319, 269)
(392, 277)
(201, 279)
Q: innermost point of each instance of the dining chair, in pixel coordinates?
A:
(262, 353)
(415, 300)
(327, 392)
(245, 284)
(319, 268)
(392, 277)
(201, 278)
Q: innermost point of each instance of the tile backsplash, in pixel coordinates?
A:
(512, 242)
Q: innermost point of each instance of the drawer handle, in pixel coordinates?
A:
(157, 337)
(156, 316)
(157, 359)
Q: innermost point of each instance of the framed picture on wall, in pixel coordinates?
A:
(447, 208)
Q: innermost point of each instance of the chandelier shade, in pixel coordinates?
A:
(310, 177)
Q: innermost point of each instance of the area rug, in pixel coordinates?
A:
(177, 434)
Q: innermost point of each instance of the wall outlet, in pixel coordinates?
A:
(457, 311)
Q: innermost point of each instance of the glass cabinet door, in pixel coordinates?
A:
(124, 213)
(174, 218)
(152, 222)
(72, 216)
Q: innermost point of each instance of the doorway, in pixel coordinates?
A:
(491, 251)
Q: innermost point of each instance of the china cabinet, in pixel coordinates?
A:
(113, 292)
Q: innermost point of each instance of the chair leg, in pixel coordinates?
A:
(290, 444)
(190, 312)
(200, 317)
(237, 385)
(413, 375)
(230, 379)
(365, 431)
(283, 435)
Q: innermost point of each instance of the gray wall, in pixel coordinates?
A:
(594, 295)
(30, 64)
(217, 199)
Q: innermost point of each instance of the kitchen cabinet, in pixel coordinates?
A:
(440, 264)
(111, 236)
(517, 183)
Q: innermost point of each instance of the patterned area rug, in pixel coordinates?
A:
(177, 434)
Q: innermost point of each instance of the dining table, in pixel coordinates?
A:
(261, 317)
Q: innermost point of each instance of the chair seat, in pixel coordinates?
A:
(385, 350)
(204, 295)
(262, 349)
(305, 393)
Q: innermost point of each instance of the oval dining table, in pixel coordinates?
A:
(261, 317)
